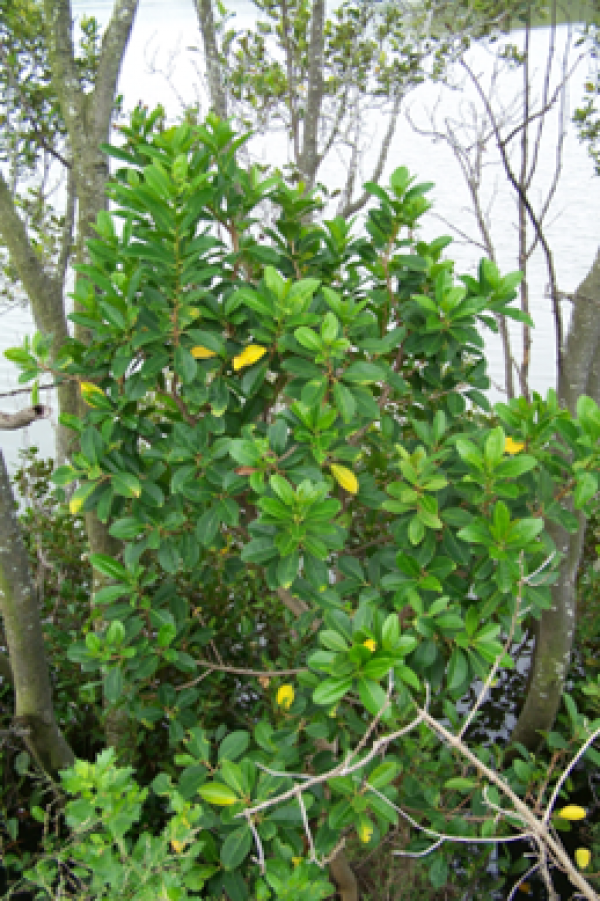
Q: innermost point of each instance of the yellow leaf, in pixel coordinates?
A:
(90, 391)
(202, 353)
(345, 478)
(582, 858)
(75, 504)
(285, 696)
(251, 354)
(511, 446)
(572, 812)
(365, 831)
(370, 644)
(296, 861)
(177, 846)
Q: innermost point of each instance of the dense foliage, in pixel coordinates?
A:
(289, 437)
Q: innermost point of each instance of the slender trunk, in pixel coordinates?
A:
(580, 375)
(34, 716)
(218, 98)
(292, 91)
(44, 292)
(88, 117)
(523, 255)
(309, 157)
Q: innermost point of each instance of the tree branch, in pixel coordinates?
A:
(23, 418)
(114, 43)
(358, 204)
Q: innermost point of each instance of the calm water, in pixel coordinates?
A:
(163, 34)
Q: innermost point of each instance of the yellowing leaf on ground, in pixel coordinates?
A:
(202, 353)
(251, 354)
(345, 477)
(582, 858)
(572, 812)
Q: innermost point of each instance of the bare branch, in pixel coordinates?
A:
(23, 418)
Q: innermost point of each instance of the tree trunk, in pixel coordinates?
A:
(309, 157)
(580, 375)
(45, 295)
(34, 716)
(218, 98)
(88, 117)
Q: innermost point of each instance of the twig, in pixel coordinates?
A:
(238, 671)
(592, 738)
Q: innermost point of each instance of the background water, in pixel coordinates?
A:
(163, 34)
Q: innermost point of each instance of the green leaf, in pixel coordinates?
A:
(234, 745)
(416, 530)
(372, 695)
(282, 489)
(287, 569)
(458, 670)
(516, 466)
(308, 339)
(113, 685)
(127, 528)
(494, 446)
(344, 402)
(190, 781)
(110, 593)
(438, 872)
(331, 691)
(460, 783)
(64, 475)
(383, 774)
(525, 530)
(217, 793)
(259, 550)
(586, 488)
(236, 847)
(409, 676)
(207, 526)
(185, 365)
(333, 641)
(470, 453)
(92, 445)
(126, 485)
(362, 373)
(109, 567)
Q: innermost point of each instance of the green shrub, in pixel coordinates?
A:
(286, 435)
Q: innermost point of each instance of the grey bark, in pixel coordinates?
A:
(309, 157)
(88, 117)
(34, 715)
(23, 418)
(580, 374)
(218, 97)
(44, 292)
